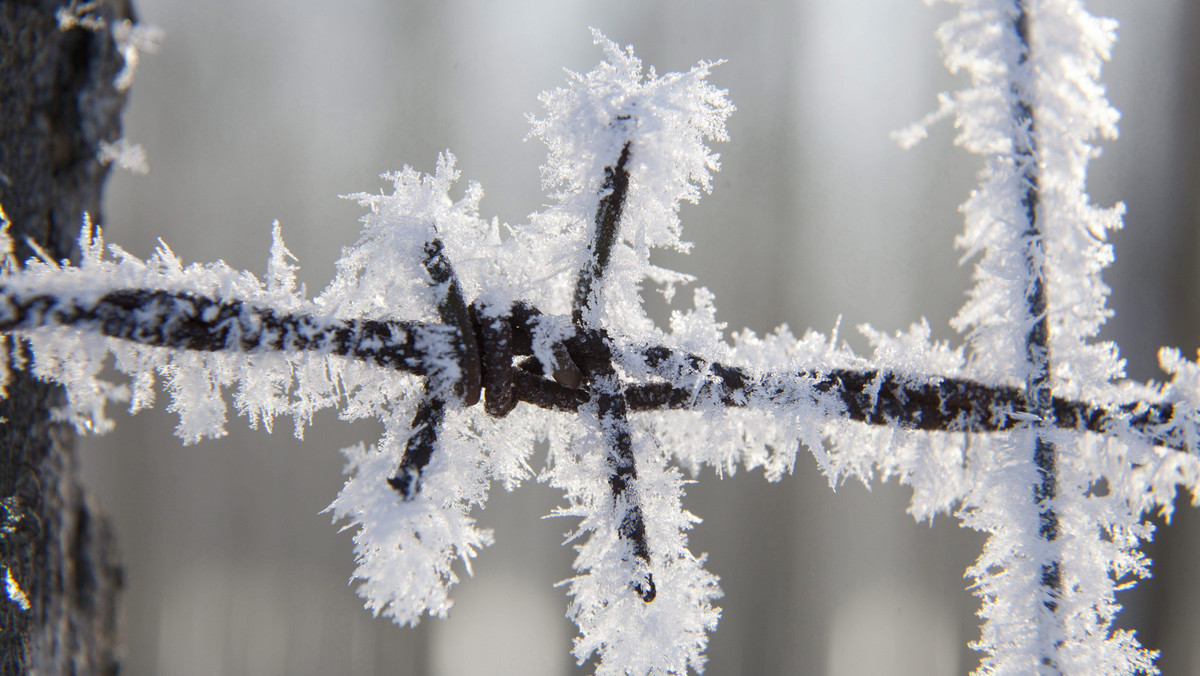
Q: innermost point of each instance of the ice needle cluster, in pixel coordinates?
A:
(1026, 433)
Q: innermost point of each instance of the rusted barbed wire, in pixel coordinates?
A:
(493, 352)
(186, 321)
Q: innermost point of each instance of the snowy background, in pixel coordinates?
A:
(255, 111)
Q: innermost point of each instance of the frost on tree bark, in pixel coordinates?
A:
(57, 103)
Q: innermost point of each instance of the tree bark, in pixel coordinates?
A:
(57, 103)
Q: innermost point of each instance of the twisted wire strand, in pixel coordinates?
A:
(185, 321)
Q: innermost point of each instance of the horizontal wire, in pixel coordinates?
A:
(181, 320)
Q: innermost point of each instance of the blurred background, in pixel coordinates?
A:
(255, 110)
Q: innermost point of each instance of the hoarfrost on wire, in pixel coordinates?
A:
(408, 550)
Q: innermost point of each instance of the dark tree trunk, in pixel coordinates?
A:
(57, 103)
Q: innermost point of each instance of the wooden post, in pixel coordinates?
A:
(57, 103)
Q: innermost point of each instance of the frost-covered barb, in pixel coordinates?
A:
(473, 343)
(1060, 545)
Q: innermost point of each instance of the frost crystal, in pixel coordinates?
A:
(128, 156)
(14, 592)
(1027, 433)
